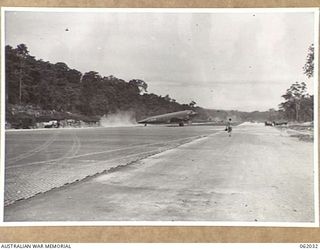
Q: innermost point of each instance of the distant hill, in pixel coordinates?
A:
(216, 115)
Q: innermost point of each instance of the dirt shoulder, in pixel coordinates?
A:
(302, 131)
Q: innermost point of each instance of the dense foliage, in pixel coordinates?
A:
(298, 104)
(57, 87)
(308, 68)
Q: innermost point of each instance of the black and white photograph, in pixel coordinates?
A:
(159, 117)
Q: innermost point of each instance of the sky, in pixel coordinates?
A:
(238, 61)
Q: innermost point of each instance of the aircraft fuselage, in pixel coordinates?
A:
(176, 117)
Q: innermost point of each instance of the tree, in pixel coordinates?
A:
(167, 98)
(90, 88)
(306, 112)
(142, 86)
(22, 53)
(272, 114)
(309, 66)
(12, 75)
(294, 98)
(22, 50)
(192, 104)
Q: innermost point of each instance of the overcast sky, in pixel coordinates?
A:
(241, 61)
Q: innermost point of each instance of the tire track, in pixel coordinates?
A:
(74, 156)
(102, 168)
(34, 151)
(72, 152)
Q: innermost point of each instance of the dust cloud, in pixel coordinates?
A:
(119, 119)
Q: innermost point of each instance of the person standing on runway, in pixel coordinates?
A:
(229, 127)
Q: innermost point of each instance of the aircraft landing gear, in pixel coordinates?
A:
(181, 124)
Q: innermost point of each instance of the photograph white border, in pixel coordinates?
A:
(163, 223)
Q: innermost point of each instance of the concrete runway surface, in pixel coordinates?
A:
(40, 160)
(260, 174)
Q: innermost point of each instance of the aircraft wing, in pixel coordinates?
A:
(175, 117)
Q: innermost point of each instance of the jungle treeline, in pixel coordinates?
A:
(31, 82)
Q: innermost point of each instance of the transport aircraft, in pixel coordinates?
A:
(176, 117)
